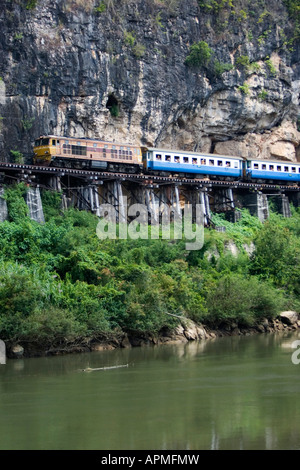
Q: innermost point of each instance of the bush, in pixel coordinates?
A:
(245, 301)
(15, 198)
(199, 55)
(276, 256)
(59, 282)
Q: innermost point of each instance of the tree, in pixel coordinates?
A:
(200, 55)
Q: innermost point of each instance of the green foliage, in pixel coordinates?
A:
(277, 254)
(60, 283)
(242, 61)
(17, 207)
(101, 8)
(265, 14)
(129, 38)
(243, 231)
(262, 95)
(244, 89)
(18, 36)
(270, 66)
(293, 7)
(137, 48)
(31, 4)
(220, 68)
(214, 6)
(51, 201)
(254, 67)
(199, 55)
(18, 157)
(27, 123)
(244, 301)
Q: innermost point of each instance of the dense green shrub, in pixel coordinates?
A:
(199, 55)
(244, 301)
(59, 282)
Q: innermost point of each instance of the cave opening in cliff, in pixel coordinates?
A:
(113, 105)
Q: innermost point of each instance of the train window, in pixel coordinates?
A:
(228, 164)
(286, 169)
(211, 162)
(158, 156)
(293, 169)
(45, 142)
(177, 159)
(255, 166)
(185, 159)
(220, 163)
(167, 158)
(37, 143)
(271, 167)
(194, 161)
(278, 167)
(77, 150)
(203, 161)
(53, 142)
(67, 149)
(264, 167)
(236, 165)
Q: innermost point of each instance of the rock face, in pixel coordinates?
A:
(289, 317)
(116, 70)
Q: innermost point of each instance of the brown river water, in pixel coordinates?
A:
(228, 393)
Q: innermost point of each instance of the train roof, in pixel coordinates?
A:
(205, 154)
(50, 136)
(288, 162)
(222, 156)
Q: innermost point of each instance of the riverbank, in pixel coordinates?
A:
(186, 331)
(63, 289)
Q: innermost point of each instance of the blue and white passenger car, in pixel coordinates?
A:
(190, 162)
(273, 170)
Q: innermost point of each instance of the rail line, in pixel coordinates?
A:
(140, 178)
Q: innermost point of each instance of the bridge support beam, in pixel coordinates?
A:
(3, 207)
(281, 204)
(34, 203)
(257, 204)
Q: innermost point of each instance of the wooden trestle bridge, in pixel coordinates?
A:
(88, 189)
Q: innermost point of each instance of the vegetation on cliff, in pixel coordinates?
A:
(59, 283)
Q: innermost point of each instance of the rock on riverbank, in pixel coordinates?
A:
(186, 331)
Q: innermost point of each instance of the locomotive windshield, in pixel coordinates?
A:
(40, 142)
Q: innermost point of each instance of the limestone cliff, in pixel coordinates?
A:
(118, 70)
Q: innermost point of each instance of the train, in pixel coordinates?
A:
(84, 153)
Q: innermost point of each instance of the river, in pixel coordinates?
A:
(227, 393)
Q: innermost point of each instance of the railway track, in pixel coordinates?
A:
(139, 178)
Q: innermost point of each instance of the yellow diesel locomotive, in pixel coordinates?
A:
(67, 152)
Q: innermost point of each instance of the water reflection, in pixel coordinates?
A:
(227, 393)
